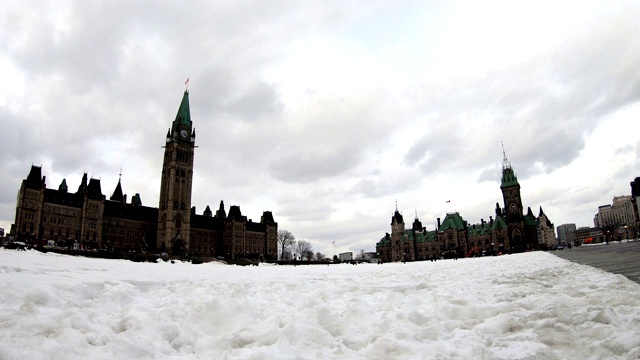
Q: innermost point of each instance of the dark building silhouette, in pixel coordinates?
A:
(88, 220)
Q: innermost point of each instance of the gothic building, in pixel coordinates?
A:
(86, 219)
(510, 231)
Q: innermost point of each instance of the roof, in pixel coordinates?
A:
(35, 176)
(479, 229)
(397, 218)
(509, 178)
(452, 221)
(411, 235)
(499, 223)
(117, 209)
(63, 185)
(117, 193)
(94, 190)
(183, 117)
(267, 218)
(530, 219)
(63, 198)
(235, 213)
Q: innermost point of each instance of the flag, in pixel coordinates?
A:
(448, 201)
(186, 82)
(333, 243)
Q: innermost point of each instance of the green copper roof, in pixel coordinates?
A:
(63, 185)
(499, 223)
(479, 229)
(184, 114)
(530, 219)
(452, 221)
(508, 178)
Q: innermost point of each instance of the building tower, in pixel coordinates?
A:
(397, 230)
(513, 210)
(174, 210)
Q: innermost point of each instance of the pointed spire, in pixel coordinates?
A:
(63, 186)
(505, 162)
(509, 177)
(207, 212)
(117, 193)
(183, 117)
(83, 184)
(221, 213)
(541, 212)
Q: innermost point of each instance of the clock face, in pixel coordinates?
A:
(183, 134)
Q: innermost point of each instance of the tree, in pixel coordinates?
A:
(360, 255)
(285, 240)
(319, 256)
(304, 248)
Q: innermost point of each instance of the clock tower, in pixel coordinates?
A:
(513, 209)
(174, 210)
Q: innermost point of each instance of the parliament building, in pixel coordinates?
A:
(510, 231)
(87, 220)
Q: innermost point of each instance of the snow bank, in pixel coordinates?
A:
(525, 306)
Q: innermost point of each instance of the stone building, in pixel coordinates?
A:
(88, 219)
(510, 231)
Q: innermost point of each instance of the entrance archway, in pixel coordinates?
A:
(177, 247)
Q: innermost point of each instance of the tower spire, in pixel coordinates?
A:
(505, 162)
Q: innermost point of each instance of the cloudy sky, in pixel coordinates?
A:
(328, 112)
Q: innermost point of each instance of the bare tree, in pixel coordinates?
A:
(285, 240)
(304, 248)
(319, 256)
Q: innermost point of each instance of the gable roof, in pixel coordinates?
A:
(452, 221)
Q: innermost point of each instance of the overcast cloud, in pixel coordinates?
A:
(327, 113)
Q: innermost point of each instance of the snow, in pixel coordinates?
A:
(525, 306)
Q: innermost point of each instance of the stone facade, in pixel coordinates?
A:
(89, 220)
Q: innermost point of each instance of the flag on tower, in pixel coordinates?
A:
(186, 82)
(448, 201)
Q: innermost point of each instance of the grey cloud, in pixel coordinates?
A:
(314, 163)
(542, 108)
(260, 102)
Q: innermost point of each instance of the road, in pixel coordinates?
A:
(619, 258)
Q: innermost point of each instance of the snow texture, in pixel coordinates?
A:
(525, 306)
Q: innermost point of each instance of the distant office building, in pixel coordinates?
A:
(566, 233)
(617, 219)
(345, 256)
(370, 257)
(588, 235)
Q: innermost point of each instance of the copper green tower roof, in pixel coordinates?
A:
(184, 114)
(508, 175)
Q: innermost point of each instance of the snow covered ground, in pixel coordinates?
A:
(525, 306)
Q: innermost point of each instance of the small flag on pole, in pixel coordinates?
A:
(448, 201)
(333, 243)
(186, 82)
